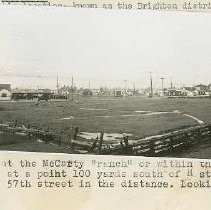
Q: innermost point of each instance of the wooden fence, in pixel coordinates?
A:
(159, 145)
(167, 143)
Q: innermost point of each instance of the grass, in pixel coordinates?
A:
(49, 114)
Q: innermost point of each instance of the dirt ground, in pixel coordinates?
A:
(138, 116)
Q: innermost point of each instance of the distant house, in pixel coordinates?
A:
(209, 87)
(5, 91)
(174, 92)
(187, 88)
(201, 89)
(96, 92)
(161, 93)
(40, 94)
(183, 92)
(87, 92)
(119, 93)
(189, 91)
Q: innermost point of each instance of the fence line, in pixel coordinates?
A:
(167, 143)
(150, 146)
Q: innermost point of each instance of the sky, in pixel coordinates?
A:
(102, 47)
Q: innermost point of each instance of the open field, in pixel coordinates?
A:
(137, 116)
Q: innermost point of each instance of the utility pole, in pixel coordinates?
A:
(162, 79)
(151, 89)
(57, 84)
(171, 84)
(89, 85)
(72, 88)
(125, 86)
(110, 88)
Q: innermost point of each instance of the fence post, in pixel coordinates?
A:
(28, 135)
(76, 133)
(152, 147)
(94, 144)
(127, 149)
(28, 126)
(72, 146)
(209, 133)
(171, 144)
(16, 123)
(186, 141)
(60, 139)
(74, 138)
(198, 136)
(100, 143)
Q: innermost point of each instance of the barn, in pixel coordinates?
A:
(5, 91)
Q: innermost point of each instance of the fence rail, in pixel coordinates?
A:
(159, 145)
(167, 143)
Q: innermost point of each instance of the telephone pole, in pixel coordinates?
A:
(57, 84)
(151, 89)
(171, 84)
(72, 88)
(125, 81)
(162, 79)
(89, 85)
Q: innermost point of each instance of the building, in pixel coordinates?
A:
(175, 93)
(201, 90)
(40, 94)
(189, 91)
(87, 92)
(119, 93)
(201, 87)
(209, 87)
(5, 91)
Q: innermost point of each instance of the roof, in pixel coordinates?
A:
(174, 89)
(5, 86)
(189, 88)
(200, 85)
(37, 91)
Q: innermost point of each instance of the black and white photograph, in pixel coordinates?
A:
(105, 82)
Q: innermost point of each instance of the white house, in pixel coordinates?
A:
(5, 91)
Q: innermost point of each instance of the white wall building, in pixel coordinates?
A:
(5, 91)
